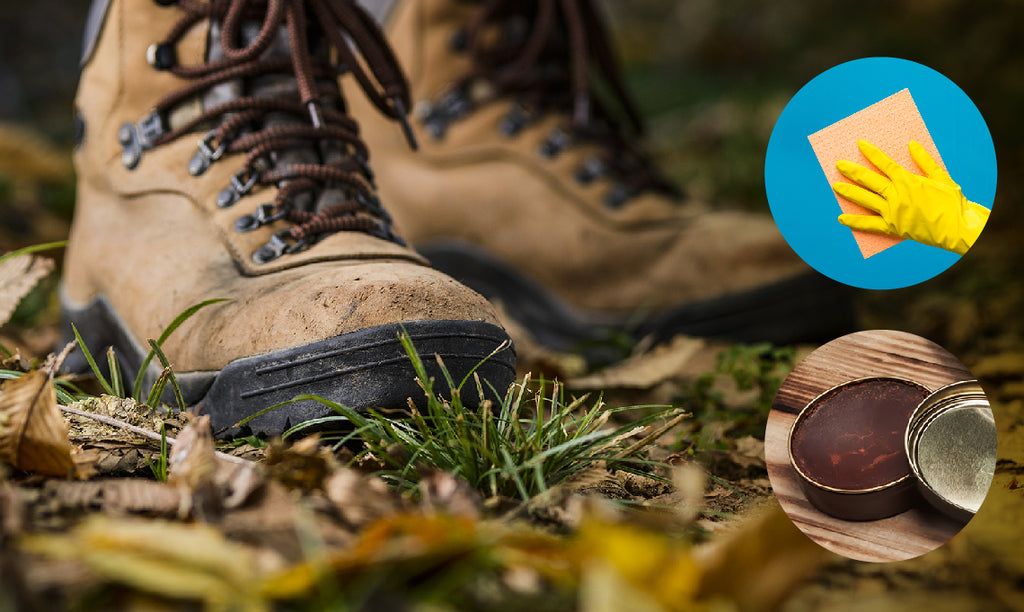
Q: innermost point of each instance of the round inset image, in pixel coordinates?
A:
(880, 173)
(880, 445)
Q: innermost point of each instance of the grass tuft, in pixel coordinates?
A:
(533, 438)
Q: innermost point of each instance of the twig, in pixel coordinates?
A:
(54, 362)
(145, 433)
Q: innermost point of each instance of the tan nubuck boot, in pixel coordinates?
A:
(530, 190)
(217, 161)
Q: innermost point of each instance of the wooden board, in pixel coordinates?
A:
(870, 353)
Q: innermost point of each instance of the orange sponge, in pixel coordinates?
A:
(890, 125)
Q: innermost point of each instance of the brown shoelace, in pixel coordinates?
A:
(315, 119)
(554, 64)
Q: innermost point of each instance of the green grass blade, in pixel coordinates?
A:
(511, 472)
(178, 320)
(158, 388)
(92, 362)
(63, 397)
(35, 248)
(116, 382)
(501, 347)
(178, 398)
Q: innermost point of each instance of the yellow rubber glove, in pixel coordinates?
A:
(929, 209)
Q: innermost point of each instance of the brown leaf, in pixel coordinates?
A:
(690, 483)
(359, 499)
(644, 371)
(120, 496)
(33, 436)
(192, 466)
(445, 492)
(15, 362)
(12, 512)
(85, 461)
(238, 482)
(192, 461)
(303, 465)
(18, 276)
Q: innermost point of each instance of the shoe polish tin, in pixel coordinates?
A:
(848, 446)
(951, 445)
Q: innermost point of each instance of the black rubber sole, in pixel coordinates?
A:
(363, 369)
(806, 308)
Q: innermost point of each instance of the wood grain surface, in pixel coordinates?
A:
(869, 353)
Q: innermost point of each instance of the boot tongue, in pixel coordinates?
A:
(273, 86)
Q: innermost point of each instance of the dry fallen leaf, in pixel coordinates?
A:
(114, 496)
(12, 509)
(759, 563)
(33, 436)
(238, 482)
(191, 462)
(303, 465)
(360, 499)
(690, 482)
(627, 567)
(174, 560)
(192, 465)
(18, 275)
(445, 492)
(85, 460)
(643, 371)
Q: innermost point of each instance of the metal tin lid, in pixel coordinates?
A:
(847, 446)
(951, 445)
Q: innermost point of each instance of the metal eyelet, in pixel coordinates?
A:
(264, 215)
(617, 195)
(238, 187)
(243, 187)
(514, 122)
(135, 138)
(590, 171)
(437, 117)
(161, 56)
(276, 247)
(555, 143)
(206, 154)
(458, 40)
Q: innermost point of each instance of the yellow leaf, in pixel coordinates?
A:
(650, 562)
(760, 563)
(33, 436)
(168, 559)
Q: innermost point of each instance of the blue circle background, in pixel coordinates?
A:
(802, 200)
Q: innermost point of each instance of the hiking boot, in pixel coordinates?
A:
(531, 190)
(216, 160)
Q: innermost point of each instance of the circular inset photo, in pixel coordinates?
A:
(880, 445)
(880, 173)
